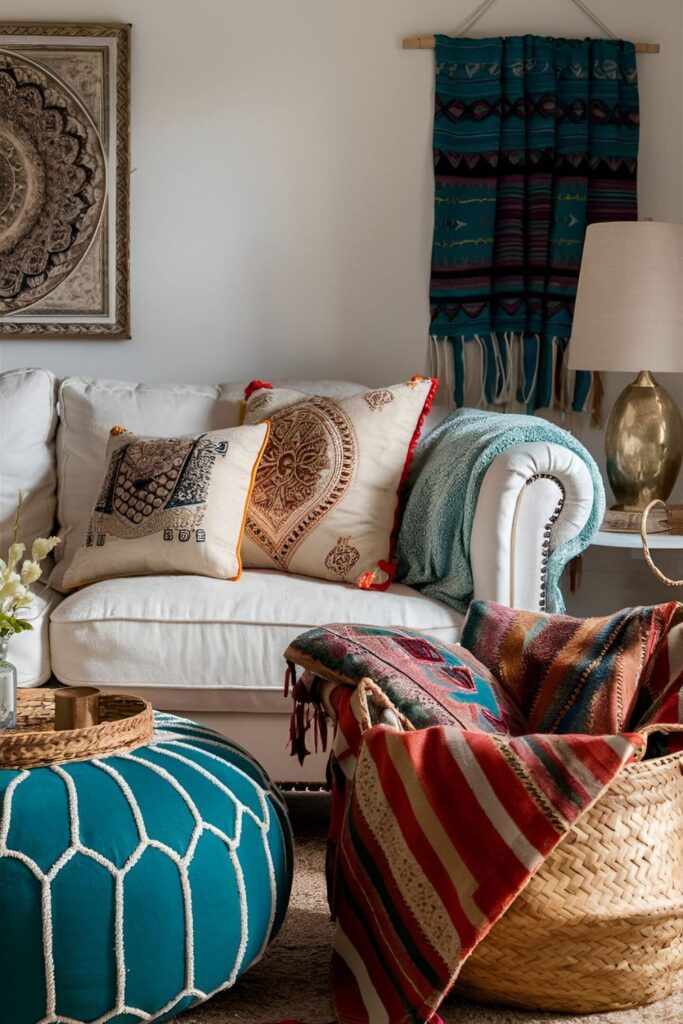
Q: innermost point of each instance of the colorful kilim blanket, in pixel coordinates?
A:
(454, 779)
(534, 139)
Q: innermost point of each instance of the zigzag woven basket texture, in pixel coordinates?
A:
(600, 926)
(126, 722)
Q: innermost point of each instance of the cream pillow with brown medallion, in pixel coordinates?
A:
(171, 505)
(327, 493)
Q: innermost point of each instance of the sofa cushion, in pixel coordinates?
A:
(327, 493)
(171, 504)
(224, 642)
(89, 408)
(430, 682)
(28, 418)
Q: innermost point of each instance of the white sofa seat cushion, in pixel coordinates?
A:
(220, 644)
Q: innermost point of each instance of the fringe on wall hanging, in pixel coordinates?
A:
(534, 139)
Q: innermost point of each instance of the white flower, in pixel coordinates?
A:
(30, 572)
(14, 583)
(42, 547)
(12, 587)
(16, 551)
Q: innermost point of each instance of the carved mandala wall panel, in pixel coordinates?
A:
(64, 170)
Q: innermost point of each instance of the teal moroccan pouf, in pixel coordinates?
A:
(136, 885)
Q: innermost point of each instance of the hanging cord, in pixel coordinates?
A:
(646, 549)
(481, 10)
(594, 18)
(473, 18)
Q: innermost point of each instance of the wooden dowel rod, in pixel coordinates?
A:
(427, 43)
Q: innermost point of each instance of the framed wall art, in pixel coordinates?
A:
(64, 180)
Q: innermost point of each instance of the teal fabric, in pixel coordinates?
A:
(138, 885)
(534, 139)
(449, 467)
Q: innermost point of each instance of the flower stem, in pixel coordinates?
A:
(17, 518)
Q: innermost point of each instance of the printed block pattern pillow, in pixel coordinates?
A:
(327, 492)
(171, 505)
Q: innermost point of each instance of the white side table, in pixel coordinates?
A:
(615, 574)
(608, 539)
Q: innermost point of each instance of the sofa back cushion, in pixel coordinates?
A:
(28, 419)
(88, 409)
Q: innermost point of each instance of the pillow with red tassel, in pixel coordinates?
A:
(326, 501)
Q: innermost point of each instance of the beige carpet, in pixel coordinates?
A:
(291, 982)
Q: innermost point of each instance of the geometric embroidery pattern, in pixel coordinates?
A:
(440, 683)
(419, 649)
(201, 753)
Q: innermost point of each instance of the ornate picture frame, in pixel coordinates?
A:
(64, 180)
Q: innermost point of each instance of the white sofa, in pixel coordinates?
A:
(209, 649)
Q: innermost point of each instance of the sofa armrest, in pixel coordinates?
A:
(534, 497)
(30, 651)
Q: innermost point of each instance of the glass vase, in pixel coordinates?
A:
(8, 688)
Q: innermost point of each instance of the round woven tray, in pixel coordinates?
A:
(600, 925)
(125, 722)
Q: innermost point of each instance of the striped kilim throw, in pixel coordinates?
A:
(534, 139)
(454, 780)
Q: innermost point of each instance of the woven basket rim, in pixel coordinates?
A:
(35, 747)
(653, 762)
(113, 698)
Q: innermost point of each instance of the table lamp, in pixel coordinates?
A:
(629, 316)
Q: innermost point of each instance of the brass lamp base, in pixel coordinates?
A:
(643, 443)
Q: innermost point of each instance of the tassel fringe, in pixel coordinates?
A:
(512, 370)
(307, 712)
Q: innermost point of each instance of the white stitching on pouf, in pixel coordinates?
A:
(165, 736)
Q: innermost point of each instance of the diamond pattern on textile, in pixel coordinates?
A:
(419, 649)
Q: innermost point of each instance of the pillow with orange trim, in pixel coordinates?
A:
(171, 505)
(327, 496)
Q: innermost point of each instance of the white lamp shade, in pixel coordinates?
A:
(629, 302)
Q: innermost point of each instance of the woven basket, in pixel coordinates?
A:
(600, 926)
(126, 722)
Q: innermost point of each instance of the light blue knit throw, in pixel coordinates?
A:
(447, 473)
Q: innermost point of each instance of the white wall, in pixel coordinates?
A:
(282, 187)
(282, 184)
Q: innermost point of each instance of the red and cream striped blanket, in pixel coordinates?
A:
(457, 771)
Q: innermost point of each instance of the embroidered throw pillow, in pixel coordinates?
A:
(429, 682)
(327, 492)
(171, 505)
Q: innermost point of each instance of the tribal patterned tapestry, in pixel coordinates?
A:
(534, 139)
